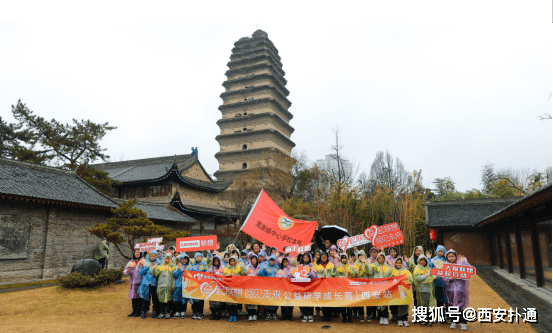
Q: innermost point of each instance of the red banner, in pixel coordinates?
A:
(272, 291)
(199, 243)
(385, 235)
(454, 271)
(270, 225)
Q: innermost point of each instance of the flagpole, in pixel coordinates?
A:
(247, 218)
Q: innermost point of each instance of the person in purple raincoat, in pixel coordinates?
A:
(286, 273)
(133, 271)
(457, 290)
(216, 307)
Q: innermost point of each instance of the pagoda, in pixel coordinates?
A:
(255, 117)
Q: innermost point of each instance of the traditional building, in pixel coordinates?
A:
(178, 181)
(44, 213)
(255, 117)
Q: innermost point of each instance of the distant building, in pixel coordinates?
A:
(330, 165)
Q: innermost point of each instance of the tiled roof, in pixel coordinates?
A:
(538, 197)
(47, 183)
(153, 169)
(163, 212)
(462, 213)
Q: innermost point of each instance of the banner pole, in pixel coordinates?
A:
(247, 218)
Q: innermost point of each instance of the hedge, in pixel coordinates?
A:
(77, 280)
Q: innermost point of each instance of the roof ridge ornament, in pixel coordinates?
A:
(194, 151)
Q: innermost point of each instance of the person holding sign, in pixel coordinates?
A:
(457, 290)
(216, 268)
(234, 268)
(165, 285)
(307, 262)
(402, 311)
(439, 289)
(424, 284)
(325, 269)
(286, 272)
(199, 265)
(183, 264)
(270, 269)
(148, 286)
(135, 279)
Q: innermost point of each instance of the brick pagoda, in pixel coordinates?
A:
(255, 117)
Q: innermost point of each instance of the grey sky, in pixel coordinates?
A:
(444, 98)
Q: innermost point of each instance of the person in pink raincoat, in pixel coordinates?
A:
(308, 311)
(286, 273)
(133, 271)
(457, 290)
(253, 269)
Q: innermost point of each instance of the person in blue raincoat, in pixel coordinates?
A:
(148, 286)
(199, 265)
(183, 264)
(439, 286)
(270, 269)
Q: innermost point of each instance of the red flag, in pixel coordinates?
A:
(270, 225)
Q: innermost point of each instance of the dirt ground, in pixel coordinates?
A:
(105, 310)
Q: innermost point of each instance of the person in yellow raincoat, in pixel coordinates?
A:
(325, 269)
(365, 272)
(402, 310)
(424, 284)
(378, 270)
(345, 269)
(234, 268)
(165, 285)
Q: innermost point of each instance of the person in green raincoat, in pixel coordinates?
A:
(165, 285)
(424, 284)
(345, 269)
(402, 311)
(412, 263)
(101, 253)
(379, 271)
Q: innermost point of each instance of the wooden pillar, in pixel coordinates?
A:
(500, 256)
(521, 267)
(509, 252)
(537, 255)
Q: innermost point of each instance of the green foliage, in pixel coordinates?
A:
(422, 235)
(130, 225)
(97, 178)
(36, 140)
(77, 280)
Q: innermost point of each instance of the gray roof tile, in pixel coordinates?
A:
(462, 213)
(41, 182)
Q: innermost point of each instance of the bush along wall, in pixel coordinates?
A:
(104, 277)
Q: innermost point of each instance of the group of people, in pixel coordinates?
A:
(158, 277)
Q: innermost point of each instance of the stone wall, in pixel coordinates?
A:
(57, 240)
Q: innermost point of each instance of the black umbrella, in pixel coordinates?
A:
(333, 233)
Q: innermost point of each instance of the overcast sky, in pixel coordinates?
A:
(444, 98)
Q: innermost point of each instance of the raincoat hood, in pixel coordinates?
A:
(235, 260)
(418, 247)
(422, 256)
(257, 260)
(381, 254)
(310, 259)
(400, 259)
(361, 253)
(149, 253)
(441, 247)
(262, 254)
(282, 263)
(184, 255)
(198, 254)
(275, 259)
(451, 251)
(216, 257)
(333, 247)
(244, 252)
(371, 250)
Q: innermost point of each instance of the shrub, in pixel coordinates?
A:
(77, 280)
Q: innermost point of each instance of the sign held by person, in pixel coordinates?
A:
(199, 243)
(150, 245)
(454, 271)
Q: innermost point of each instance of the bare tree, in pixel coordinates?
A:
(388, 173)
(343, 172)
